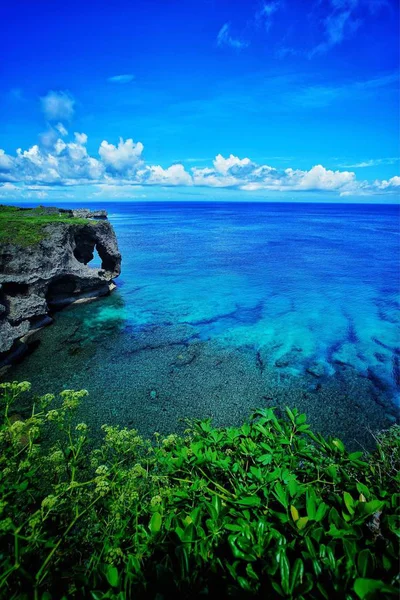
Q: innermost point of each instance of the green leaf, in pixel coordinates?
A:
(280, 494)
(365, 509)
(365, 563)
(323, 591)
(300, 419)
(112, 575)
(310, 547)
(233, 527)
(296, 576)
(321, 511)
(246, 429)
(290, 414)
(332, 471)
(304, 427)
(189, 533)
(244, 583)
(362, 489)
(265, 459)
(339, 445)
(284, 570)
(355, 455)
(293, 487)
(155, 522)
(251, 572)
(331, 557)
(301, 523)
(349, 502)
(217, 504)
(350, 549)
(249, 501)
(241, 548)
(183, 560)
(295, 513)
(278, 588)
(311, 504)
(366, 588)
(317, 567)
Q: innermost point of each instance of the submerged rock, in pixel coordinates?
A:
(49, 268)
(316, 369)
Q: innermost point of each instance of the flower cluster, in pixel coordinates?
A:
(170, 441)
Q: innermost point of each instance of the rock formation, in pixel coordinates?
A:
(40, 277)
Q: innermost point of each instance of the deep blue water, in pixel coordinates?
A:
(306, 286)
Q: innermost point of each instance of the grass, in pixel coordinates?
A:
(27, 227)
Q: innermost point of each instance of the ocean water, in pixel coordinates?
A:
(224, 307)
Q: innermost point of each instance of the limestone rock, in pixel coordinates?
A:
(8, 333)
(84, 213)
(55, 271)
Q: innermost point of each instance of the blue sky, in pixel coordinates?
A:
(277, 99)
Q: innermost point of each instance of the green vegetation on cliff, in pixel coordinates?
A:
(25, 227)
(268, 510)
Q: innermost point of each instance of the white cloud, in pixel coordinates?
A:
(373, 162)
(61, 129)
(343, 19)
(174, 175)
(80, 138)
(121, 78)
(58, 106)
(318, 178)
(124, 158)
(68, 163)
(62, 164)
(6, 162)
(265, 13)
(392, 183)
(224, 165)
(224, 38)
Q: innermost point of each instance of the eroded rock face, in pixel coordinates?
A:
(53, 273)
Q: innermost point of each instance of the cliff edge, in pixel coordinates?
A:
(44, 256)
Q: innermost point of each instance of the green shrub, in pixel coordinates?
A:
(268, 509)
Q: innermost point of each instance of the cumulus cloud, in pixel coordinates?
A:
(68, 163)
(393, 183)
(80, 138)
(127, 78)
(6, 162)
(58, 106)
(124, 158)
(232, 163)
(173, 175)
(224, 38)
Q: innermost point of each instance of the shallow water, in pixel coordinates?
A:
(224, 307)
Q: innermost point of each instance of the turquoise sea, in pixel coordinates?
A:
(224, 307)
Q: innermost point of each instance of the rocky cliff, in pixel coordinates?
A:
(44, 256)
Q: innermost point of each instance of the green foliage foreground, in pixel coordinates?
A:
(267, 509)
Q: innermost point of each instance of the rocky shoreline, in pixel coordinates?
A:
(39, 277)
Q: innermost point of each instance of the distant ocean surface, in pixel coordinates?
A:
(224, 307)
